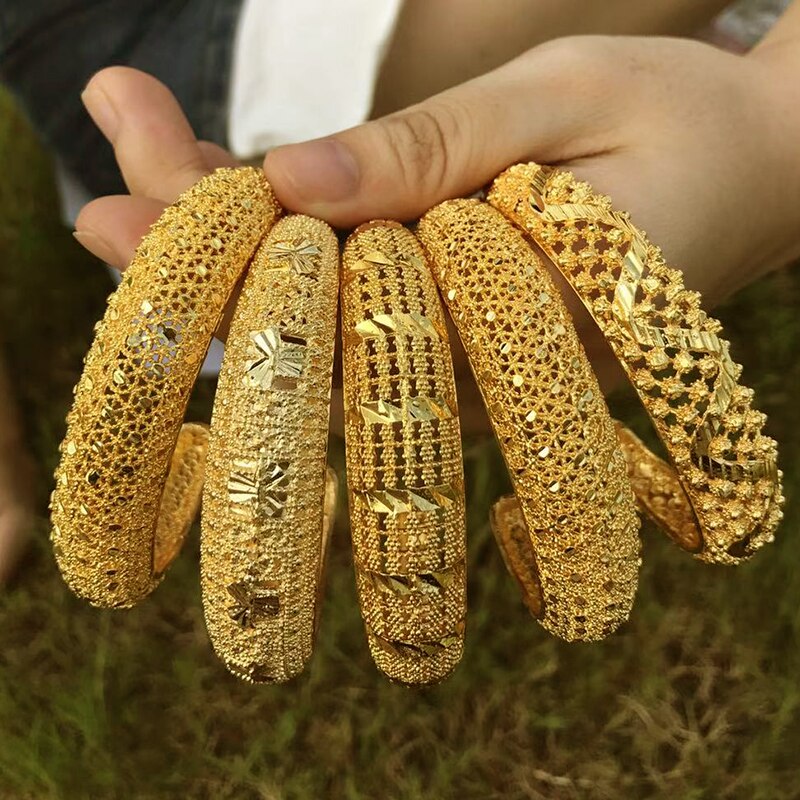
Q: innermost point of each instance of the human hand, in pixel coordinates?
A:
(698, 144)
(695, 142)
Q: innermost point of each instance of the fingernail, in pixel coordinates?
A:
(101, 110)
(96, 245)
(321, 170)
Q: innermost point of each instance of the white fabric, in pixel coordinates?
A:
(304, 68)
(747, 21)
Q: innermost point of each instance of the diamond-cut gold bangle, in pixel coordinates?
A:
(673, 354)
(404, 465)
(577, 560)
(115, 529)
(265, 523)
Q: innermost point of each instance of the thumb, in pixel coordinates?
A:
(552, 104)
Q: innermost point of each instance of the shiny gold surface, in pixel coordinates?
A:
(183, 490)
(264, 526)
(570, 537)
(659, 493)
(114, 527)
(673, 354)
(404, 466)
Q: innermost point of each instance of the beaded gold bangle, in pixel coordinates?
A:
(264, 525)
(404, 465)
(672, 352)
(130, 401)
(577, 561)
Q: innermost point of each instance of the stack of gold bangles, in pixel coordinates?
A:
(132, 473)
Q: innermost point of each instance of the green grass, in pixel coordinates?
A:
(698, 697)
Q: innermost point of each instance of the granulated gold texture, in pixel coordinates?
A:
(183, 490)
(514, 541)
(263, 534)
(130, 401)
(671, 350)
(404, 466)
(658, 491)
(578, 562)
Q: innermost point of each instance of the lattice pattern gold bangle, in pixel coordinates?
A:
(264, 526)
(404, 465)
(130, 401)
(578, 561)
(672, 352)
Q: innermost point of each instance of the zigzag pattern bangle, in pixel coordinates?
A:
(404, 467)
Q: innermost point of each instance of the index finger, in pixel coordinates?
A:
(156, 149)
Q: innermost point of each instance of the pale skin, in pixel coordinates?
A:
(16, 474)
(700, 145)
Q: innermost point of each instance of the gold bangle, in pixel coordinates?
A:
(658, 491)
(180, 500)
(579, 561)
(130, 401)
(264, 525)
(404, 465)
(671, 351)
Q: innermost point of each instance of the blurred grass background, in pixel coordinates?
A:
(698, 697)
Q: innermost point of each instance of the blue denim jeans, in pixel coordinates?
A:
(50, 48)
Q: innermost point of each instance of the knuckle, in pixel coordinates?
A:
(419, 140)
(586, 65)
(185, 169)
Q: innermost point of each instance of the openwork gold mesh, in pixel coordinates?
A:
(673, 354)
(130, 401)
(262, 543)
(404, 465)
(577, 563)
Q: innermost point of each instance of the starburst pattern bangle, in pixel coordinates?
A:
(674, 355)
(115, 528)
(571, 535)
(265, 526)
(404, 467)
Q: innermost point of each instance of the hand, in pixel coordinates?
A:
(695, 142)
(698, 144)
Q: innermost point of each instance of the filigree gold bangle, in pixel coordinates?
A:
(264, 521)
(672, 352)
(404, 466)
(130, 401)
(578, 561)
